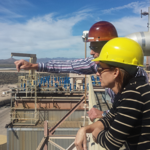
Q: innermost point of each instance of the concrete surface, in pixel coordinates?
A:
(5, 98)
(4, 118)
(5, 107)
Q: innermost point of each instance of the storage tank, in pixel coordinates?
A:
(143, 38)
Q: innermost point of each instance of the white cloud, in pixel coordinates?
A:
(51, 36)
(45, 36)
(8, 13)
(128, 25)
(13, 4)
(11, 9)
(135, 6)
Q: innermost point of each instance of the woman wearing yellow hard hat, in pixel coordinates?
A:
(129, 119)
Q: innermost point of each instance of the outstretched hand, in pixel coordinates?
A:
(22, 64)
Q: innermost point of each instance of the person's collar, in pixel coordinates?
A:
(135, 80)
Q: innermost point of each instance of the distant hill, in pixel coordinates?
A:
(7, 61)
(57, 58)
(12, 60)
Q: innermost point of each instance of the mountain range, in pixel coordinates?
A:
(12, 60)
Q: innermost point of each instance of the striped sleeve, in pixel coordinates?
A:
(79, 66)
(107, 121)
(125, 118)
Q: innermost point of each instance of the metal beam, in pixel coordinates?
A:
(66, 116)
(40, 146)
(56, 145)
(98, 101)
(48, 100)
(43, 92)
(46, 134)
(104, 98)
(44, 141)
(62, 137)
(99, 90)
(23, 55)
(71, 147)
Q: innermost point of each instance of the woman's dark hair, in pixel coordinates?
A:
(123, 78)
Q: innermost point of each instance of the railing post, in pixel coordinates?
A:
(46, 134)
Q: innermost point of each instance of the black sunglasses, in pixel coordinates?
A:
(100, 69)
(95, 48)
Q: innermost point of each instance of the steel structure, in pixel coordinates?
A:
(48, 133)
(34, 96)
(32, 105)
(37, 98)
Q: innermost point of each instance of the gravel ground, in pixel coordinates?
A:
(9, 77)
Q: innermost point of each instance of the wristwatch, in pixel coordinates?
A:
(104, 114)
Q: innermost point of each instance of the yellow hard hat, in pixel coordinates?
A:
(122, 50)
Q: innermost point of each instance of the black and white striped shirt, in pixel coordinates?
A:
(129, 118)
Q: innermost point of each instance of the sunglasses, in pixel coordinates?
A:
(100, 69)
(95, 48)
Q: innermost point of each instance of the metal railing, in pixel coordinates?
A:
(92, 145)
(25, 118)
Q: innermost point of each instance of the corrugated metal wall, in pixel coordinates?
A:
(29, 138)
(53, 115)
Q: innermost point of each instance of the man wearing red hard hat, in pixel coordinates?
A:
(99, 34)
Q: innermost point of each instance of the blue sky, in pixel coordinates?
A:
(54, 28)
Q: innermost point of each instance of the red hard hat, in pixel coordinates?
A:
(102, 31)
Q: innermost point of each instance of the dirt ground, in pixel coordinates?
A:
(9, 77)
(8, 80)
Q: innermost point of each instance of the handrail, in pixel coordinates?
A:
(92, 102)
